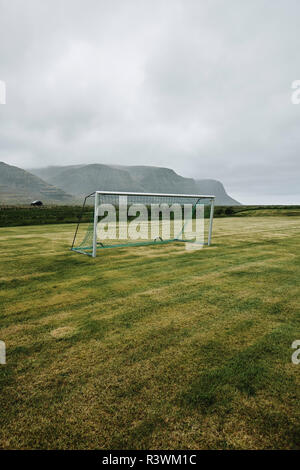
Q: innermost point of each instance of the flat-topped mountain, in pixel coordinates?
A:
(80, 180)
(68, 184)
(160, 180)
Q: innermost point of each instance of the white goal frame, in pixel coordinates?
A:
(97, 202)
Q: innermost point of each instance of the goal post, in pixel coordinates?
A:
(111, 219)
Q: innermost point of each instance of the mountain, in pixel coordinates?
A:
(20, 186)
(161, 180)
(158, 179)
(209, 186)
(80, 180)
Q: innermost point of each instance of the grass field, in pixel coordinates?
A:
(151, 347)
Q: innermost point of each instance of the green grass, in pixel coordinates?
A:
(151, 347)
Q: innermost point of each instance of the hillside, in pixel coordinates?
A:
(80, 180)
(158, 179)
(209, 186)
(20, 186)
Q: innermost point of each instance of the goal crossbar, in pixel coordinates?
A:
(125, 193)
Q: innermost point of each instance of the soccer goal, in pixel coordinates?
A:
(111, 219)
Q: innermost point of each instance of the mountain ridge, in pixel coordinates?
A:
(79, 180)
(68, 184)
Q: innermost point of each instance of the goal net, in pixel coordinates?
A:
(119, 219)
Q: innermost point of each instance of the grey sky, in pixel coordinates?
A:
(203, 87)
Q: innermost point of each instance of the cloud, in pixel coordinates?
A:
(202, 87)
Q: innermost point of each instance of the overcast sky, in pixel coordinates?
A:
(203, 87)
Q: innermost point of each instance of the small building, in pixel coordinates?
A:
(36, 203)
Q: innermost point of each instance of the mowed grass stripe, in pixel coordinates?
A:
(153, 347)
